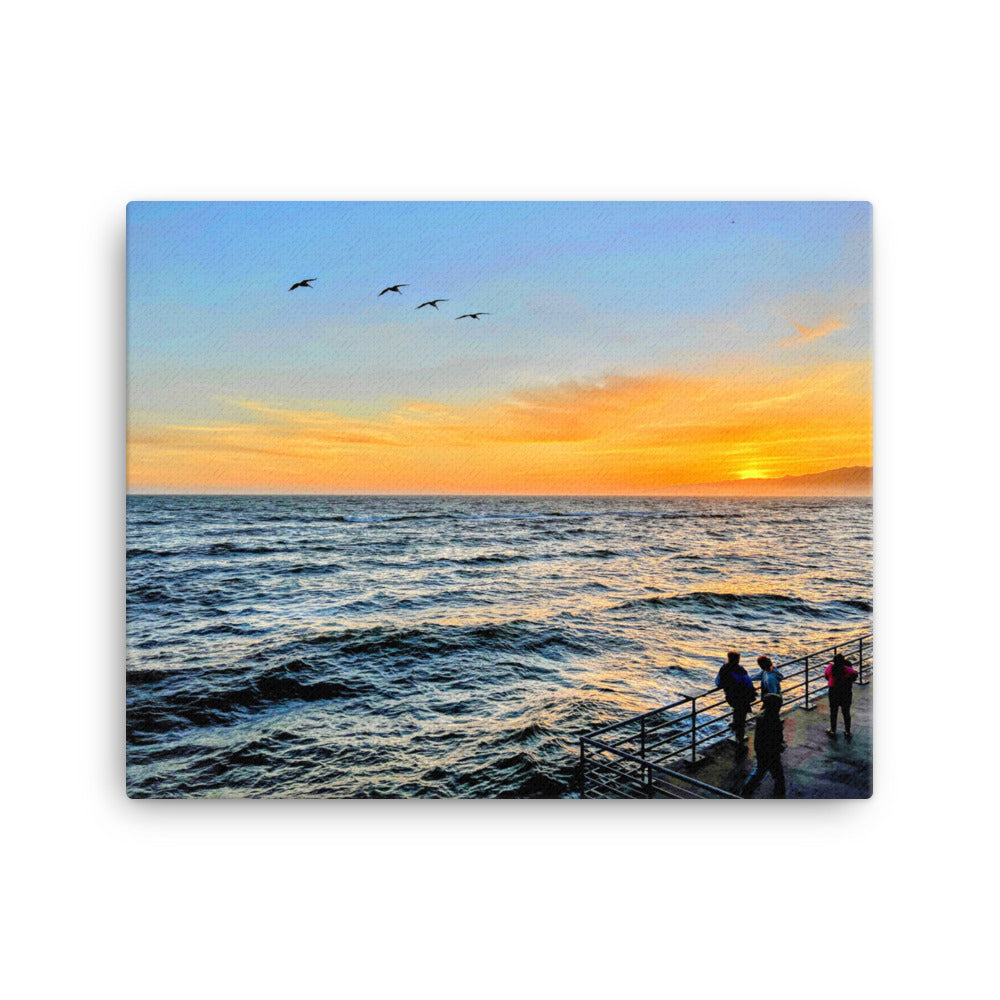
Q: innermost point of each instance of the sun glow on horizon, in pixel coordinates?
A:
(620, 434)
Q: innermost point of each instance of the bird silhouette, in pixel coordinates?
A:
(302, 284)
(433, 302)
(392, 288)
(471, 315)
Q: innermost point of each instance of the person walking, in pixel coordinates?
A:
(770, 680)
(840, 678)
(768, 744)
(740, 695)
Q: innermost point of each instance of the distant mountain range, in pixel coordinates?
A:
(854, 481)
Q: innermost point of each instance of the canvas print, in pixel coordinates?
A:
(563, 500)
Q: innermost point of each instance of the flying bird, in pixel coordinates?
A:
(471, 315)
(302, 284)
(392, 288)
(433, 302)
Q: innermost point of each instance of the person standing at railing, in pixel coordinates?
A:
(840, 678)
(770, 680)
(768, 744)
(740, 694)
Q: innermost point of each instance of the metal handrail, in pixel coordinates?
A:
(683, 779)
(684, 699)
(696, 721)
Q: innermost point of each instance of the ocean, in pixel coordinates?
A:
(361, 646)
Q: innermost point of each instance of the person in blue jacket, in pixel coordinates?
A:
(740, 695)
(770, 680)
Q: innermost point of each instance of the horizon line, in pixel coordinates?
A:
(740, 487)
(652, 496)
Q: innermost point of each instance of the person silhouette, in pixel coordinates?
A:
(840, 678)
(740, 695)
(770, 680)
(768, 744)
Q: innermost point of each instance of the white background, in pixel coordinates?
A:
(110, 102)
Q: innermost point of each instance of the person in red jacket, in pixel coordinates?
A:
(840, 678)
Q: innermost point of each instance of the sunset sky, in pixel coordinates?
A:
(629, 346)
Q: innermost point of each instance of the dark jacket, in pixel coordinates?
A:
(735, 681)
(769, 736)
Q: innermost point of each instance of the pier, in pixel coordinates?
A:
(685, 749)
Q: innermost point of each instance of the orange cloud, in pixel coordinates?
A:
(619, 434)
(807, 333)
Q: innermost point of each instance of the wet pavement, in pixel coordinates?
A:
(817, 766)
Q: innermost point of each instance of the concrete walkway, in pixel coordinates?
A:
(817, 766)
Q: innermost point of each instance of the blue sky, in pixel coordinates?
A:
(575, 291)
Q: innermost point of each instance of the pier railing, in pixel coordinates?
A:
(633, 758)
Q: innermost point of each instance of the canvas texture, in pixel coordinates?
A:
(563, 500)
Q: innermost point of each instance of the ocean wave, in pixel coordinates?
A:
(498, 558)
(521, 776)
(734, 604)
(856, 605)
(528, 733)
(152, 594)
(316, 568)
(225, 628)
(233, 548)
(208, 549)
(518, 637)
(350, 653)
(161, 701)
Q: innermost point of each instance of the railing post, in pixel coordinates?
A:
(861, 660)
(694, 729)
(583, 772)
(808, 706)
(644, 775)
